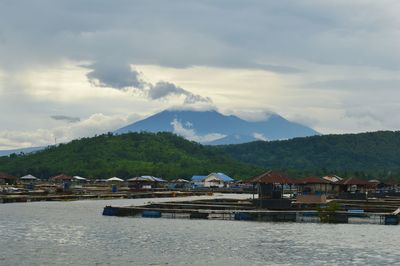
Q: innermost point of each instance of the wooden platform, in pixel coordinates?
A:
(230, 209)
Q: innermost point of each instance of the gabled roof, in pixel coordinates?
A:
(198, 177)
(179, 180)
(61, 177)
(114, 179)
(145, 178)
(80, 178)
(222, 177)
(7, 176)
(271, 177)
(28, 177)
(332, 178)
(354, 181)
(313, 180)
(391, 182)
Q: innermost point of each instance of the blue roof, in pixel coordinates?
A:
(198, 177)
(224, 177)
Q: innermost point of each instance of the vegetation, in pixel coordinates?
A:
(327, 212)
(367, 155)
(128, 155)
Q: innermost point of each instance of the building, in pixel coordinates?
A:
(213, 180)
(145, 182)
(28, 178)
(316, 185)
(355, 185)
(62, 178)
(270, 186)
(179, 183)
(7, 179)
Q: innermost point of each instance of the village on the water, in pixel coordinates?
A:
(273, 196)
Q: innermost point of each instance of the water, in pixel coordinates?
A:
(75, 233)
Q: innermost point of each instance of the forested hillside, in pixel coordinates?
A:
(128, 155)
(373, 155)
(369, 155)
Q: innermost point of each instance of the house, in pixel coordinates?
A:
(356, 185)
(179, 183)
(62, 178)
(7, 179)
(270, 184)
(28, 178)
(212, 180)
(316, 185)
(145, 182)
(270, 187)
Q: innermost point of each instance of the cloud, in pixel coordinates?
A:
(68, 119)
(117, 76)
(164, 89)
(123, 77)
(259, 136)
(190, 133)
(94, 124)
(254, 115)
(332, 45)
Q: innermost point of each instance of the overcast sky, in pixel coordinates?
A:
(77, 68)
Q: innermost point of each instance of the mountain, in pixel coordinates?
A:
(211, 127)
(18, 151)
(374, 154)
(159, 154)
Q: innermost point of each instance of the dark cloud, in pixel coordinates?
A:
(164, 89)
(276, 35)
(117, 76)
(122, 77)
(65, 118)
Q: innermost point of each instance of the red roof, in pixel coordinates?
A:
(391, 182)
(354, 181)
(61, 177)
(313, 180)
(271, 177)
(7, 176)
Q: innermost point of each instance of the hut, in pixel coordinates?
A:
(61, 178)
(145, 182)
(114, 179)
(313, 190)
(80, 179)
(316, 185)
(392, 185)
(179, 183)
(355, 185)
(270, 189)
(354, 188)
(28, 178)
(7, 179)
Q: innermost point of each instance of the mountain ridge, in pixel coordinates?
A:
(214, 128)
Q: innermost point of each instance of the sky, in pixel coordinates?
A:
(71, 69)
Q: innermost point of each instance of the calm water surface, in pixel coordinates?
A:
(75, 233)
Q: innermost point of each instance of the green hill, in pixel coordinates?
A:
(373, 155)
(370, 155)
(128, 155)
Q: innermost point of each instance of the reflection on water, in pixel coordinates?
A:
(75, 233)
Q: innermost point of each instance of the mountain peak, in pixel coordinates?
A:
(212, 127)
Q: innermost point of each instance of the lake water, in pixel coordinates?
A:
(75, 233)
